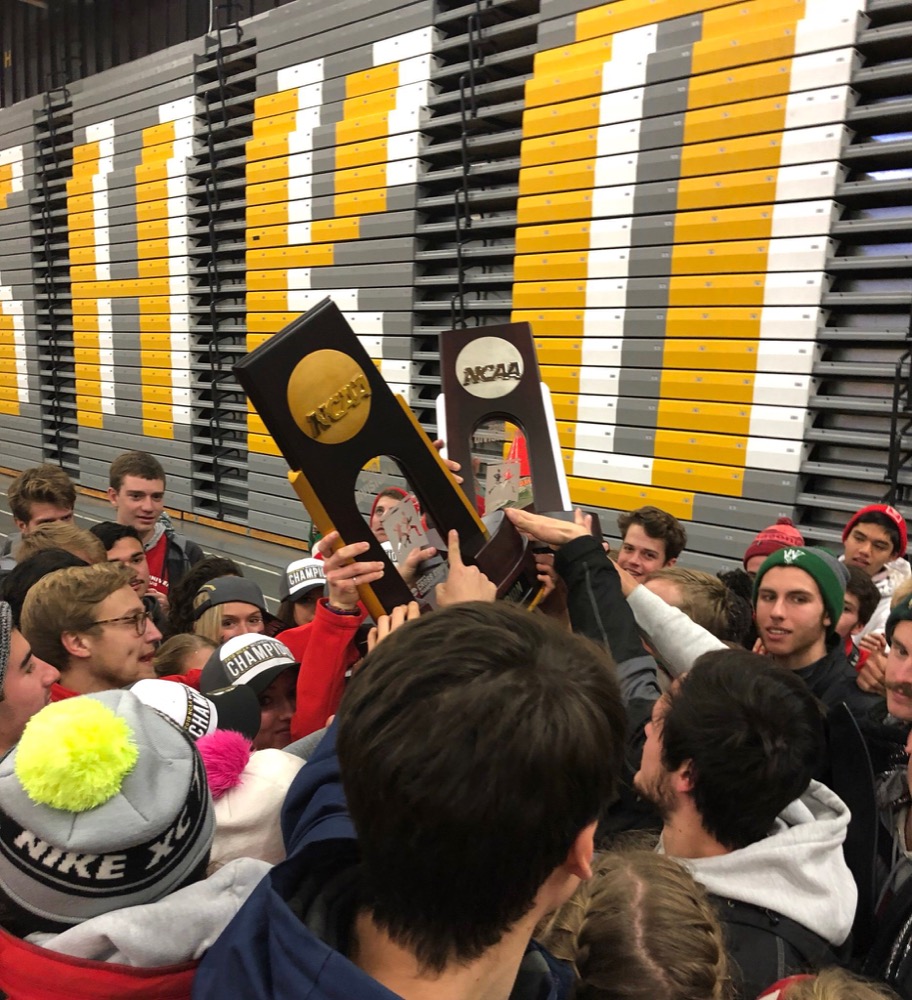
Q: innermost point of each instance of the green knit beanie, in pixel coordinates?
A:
(901, 613)
(823, 568)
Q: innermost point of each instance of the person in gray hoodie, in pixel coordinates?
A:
(728, 759)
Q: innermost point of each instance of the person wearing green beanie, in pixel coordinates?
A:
(798, 597)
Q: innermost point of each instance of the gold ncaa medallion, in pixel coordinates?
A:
(329, 396)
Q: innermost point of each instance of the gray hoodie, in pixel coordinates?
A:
(176, 929)
(798, 870)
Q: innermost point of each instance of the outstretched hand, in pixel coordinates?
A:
(551, 530)
(463, 583)
(389, 623)
(343, 574)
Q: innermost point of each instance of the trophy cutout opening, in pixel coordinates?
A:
(500, 466)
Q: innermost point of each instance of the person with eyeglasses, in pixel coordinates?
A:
(89, 623)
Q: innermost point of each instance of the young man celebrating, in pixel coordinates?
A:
(875, 540)
(727, 762)
(90, 624)
(40, 495)
(650, 539)
(137, 492)
(122, 545)
(422, 856)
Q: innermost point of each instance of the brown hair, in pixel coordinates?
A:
(61, 535)
(640, 929)
(135, 463)
(41, 484)
(65, 601)
(169, 658)
(836, 984)
(658, 524)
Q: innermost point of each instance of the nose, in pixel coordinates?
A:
(778, 609)
(50, 675)
(151, 633)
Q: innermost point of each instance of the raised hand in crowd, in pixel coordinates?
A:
(344, 574)
(464, 583)
(872, 673)
(386, 624)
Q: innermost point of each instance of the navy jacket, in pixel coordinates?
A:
(288, 940)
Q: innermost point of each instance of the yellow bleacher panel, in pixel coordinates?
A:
(82, 272)
(699, 477)
(735, 119)
(304, 256)
(566, 117)
(156, 376)
(368, 81)
(266, 170)
(270, 236)
(554, 207)
(154, 304)
(623, 15)
(264, 194)
(627, 496)
(155, 134)
(750, 186)
(719, 258)
(688, 415)
(152, 230)
(274, 125)
(360, 202)
(552, 322)
(758, 80)
(279, 103)
(150, 191)
(155, 342)
(567, 85)
(710, 387)
(267, 148)
(157, 411)
(360, 154)
(713, 322)
(268, 215)
(147, 211)
(559, 351)
(84, 157)
(555, 294)
(751, 223)
(596, 50)
(579, 145)
(375, 103)
(266, 281)
(267, 324)
(159, 267)
(717, 449)
(560, 378)
(718, 355)
(751, 153)
(328, 230)
(82, 255)
(557, 177)
(155, 154)
(158, 394)
(158, 429)
(80, 185)
(362, 129)
(151, 249)
(720, 290)
(262, 444)
(751, 46)
(76, 203)
(565, 236)
(554, 266)
(268, 301)
(81, 220)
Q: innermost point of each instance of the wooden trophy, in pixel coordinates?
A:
(330, 412)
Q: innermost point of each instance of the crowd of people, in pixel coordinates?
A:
(659, 783)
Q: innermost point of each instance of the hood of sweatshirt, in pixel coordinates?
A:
(176, 929)
(798, 870)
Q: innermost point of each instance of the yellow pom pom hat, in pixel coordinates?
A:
(103, 804)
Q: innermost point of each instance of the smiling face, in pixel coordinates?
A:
(139, 503)
(790, 617)
(239, 618)
(869, 547)
(642, 554)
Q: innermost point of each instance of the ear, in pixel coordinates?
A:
(858, 628)
(579, 858)
(112, 495)
(671, 562)
(20, 525)
(682, 780)
(76, 644)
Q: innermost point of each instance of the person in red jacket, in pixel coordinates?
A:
(106, 825)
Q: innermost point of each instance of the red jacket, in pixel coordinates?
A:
(326, 650)
(28, 972)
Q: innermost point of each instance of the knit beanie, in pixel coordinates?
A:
(826, 572)
(781, 535)
(6, 627)
(902, 612)
(103, 805)
(890, 512)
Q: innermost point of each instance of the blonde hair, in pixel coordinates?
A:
(209, 624)
(836, 984)
(901, 593)
(62, 535)
(640, 929)
(170, 656)
(65, 601)
(704, 598)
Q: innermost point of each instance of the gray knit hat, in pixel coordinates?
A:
(104, 804)
(6, 627)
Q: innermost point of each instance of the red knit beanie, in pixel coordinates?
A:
(890, 512)
(781, 535)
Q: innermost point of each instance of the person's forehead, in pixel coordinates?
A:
(136, 484)
(638, 535)
(789, 578)
(902, 634)
(123, 600)
(239, 609)
(124, 547)
(873, 532)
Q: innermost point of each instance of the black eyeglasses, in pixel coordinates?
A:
(138, 620)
